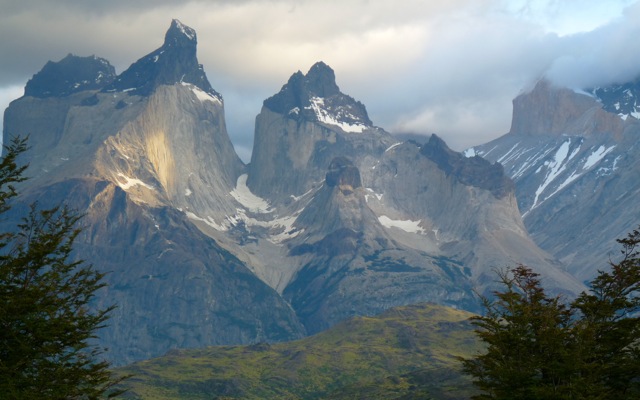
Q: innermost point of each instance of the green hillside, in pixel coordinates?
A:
(407, 352)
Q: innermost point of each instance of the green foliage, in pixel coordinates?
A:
(538, 347)
(408, 352)
(45, 321)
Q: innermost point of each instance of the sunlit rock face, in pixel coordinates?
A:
(143, 154)
(333, 217)
(573, 156)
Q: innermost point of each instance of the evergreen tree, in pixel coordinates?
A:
(46, 323)
(539, 347)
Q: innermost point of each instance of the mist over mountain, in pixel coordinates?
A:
(574, 158)
(333, 217)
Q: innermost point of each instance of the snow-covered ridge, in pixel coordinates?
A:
(333, 118)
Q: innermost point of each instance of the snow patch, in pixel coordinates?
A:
(555, 168)
(201, 94)
(249, 200)
(531, 162)
(596, 156)
(317, 105)
(373, 193)
(470, 152)
(407, 226)
(297, 198)
(501, 159)
(187, 192)
(209, 221)
(130, 182)
(393, 146)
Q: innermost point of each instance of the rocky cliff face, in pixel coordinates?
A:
(333, 217)
(377, 222)
(574, 159)
(302, 129)
(140, 163)
(549, 110)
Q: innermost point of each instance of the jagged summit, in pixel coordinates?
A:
(316, 97)
(321, 80)
(70, 75)
(174, 62)
(180, 35)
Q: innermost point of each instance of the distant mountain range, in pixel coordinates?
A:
(332, 218)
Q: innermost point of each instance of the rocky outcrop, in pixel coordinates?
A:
(471, 171)
(620, 99)
(343, 174)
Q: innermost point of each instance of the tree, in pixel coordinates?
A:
(608, 334)
(46, 323)
(539, 347)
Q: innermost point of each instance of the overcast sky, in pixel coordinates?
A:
(447, 67)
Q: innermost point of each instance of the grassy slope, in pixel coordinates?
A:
(407, 352)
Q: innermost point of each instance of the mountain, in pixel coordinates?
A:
(574, 157)
(137, 163)
(174, 62)
(407, 352)
(333, 217)
(372, 222)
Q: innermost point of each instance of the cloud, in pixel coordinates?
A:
(449, 67)
(609, 54)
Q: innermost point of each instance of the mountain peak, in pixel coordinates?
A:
(70, 75)
(316, 97)
(180, 34)
(321, 80)
(174, 62)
